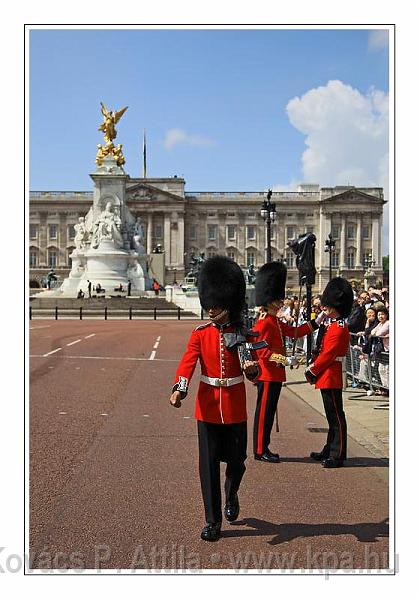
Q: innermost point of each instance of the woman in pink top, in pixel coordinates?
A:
(382, 331)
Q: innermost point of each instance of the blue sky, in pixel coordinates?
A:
(213, 102)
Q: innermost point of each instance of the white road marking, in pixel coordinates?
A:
(89, 336)
(107, 358)
(146, 415)
(52, 352)
(186, 417)
(156, 345)
(75, 342)
(104, 415)
(152, 355)
(158, 338)
(62, 413)
(41, 327)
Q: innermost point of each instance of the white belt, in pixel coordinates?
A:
(227, 382)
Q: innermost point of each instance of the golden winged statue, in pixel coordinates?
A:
(111, 118)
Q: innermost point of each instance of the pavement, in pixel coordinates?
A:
(114, 468)
(367, 416)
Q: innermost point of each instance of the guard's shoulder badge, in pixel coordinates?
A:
(341, 322)
(202, 326)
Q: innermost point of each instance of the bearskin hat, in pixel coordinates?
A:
(221, 283)
(270, 283)
(338, 294)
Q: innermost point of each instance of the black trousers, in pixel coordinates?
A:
(267, 399)
(216, 444)
(336, 444)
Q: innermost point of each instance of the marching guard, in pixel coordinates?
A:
(269, 294)
(220, 407)
(326, 369)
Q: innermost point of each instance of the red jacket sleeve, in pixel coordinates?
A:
(263, 334)
(187, 364)
(331, 348)
(304, 329)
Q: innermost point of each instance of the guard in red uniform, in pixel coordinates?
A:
(326, 369)
(269, 294)
(220, 407)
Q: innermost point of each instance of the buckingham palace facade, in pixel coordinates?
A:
(183, 223)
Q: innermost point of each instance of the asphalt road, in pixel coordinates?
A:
(114, 468)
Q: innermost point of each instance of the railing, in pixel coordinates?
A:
(367, 371)
(250, 194)
(37, 194)
(106, 313)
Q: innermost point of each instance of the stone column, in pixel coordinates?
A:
(375, 239)
(359, 242)
(43, 239)
(167, 238)
(343, 242)
(62, 241)
(149, 233)
(181, 240)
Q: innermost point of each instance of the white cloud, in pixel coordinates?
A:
(346, 136)
(378, 39)
(179, 136)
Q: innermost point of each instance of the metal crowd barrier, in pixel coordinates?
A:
(370, 372)
(129, 313)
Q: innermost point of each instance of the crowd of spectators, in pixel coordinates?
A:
(368, 326)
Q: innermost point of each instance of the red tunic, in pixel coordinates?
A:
(326, 367)
(213, 404)
(273, 330)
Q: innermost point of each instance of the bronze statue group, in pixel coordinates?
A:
(228, 352)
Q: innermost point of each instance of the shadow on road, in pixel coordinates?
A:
(355, 461)
(285, 532)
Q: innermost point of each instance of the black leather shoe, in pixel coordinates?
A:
(232, 509)
(318, 456)
(211, 532)
(267, 457)
(332, 463)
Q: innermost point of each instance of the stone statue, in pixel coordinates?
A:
(111, 118)
(106, 228)
(251, 275)
(138, 236)
(81, 237)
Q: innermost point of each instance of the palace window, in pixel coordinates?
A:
(290, 259)
(33, 231)
(211, 233)
(33, 258)
(367, 257)
(193, 232)
(231, 254)
(52, 232)
(366, 232)
(290, 232)
(231, 214)
(334, 259)
(309, 229)
(52, 258)
(351, 232)
(69, 251)
(350, 258)
(158, 232)
(211, 253)
(335, 231)
(272, 233)
(250, 258)
(211, 214)
(250, 232)
(70, 232)
(231, 232)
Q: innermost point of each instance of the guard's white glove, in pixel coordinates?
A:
(320, 318)
(292, 361)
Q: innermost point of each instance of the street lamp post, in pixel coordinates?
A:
(329, 247)
(268, 213)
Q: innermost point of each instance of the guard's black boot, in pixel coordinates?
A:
(318, 456)
(268, 457)
(332, 463)
(232, 509)
(211, 532)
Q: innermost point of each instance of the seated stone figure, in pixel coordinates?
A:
(106, 228)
